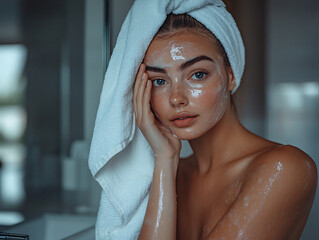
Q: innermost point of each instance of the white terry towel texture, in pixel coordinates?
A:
(121, 160)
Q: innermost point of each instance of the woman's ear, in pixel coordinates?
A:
(231, 79)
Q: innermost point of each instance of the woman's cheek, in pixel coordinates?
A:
(158, 103)
(195, 93)
(202, 97)
(219, 107)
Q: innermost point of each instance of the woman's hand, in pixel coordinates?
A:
(161, 214)
(161, 140)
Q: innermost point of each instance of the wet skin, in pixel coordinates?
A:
(236, 185)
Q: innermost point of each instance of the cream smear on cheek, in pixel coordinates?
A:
(196, 92)
(221, 91)
(219, 104)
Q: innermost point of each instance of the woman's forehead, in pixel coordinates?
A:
(180, 46)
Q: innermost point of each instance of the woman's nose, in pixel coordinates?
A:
(178, 97)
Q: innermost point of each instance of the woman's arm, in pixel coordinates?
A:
(160, 218)
(275, 199)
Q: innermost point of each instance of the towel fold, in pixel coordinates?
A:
(121, 159)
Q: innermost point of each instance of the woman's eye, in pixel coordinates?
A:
(158, 82)
(199, 75)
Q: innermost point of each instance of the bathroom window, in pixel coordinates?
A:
(52, 57)
(294, 115)
(13, 120)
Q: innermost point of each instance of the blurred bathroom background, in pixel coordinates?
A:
(53, 55)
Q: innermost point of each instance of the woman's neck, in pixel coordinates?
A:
(219, 145)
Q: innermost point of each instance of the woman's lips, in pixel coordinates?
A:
(182, 123)
(183, 120)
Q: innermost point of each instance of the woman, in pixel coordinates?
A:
(178, 76)
(235, 185)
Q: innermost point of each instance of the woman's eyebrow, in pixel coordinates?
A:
(195, 60)
(183, 66)
(155, 69)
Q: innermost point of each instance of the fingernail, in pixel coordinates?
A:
(143, 76)
(148, 82)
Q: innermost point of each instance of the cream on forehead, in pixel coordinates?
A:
(175, 48)
(176, 52)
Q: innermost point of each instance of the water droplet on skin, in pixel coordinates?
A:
(271, 180)
(246, 201)
(240, 234)
(279, 166)
(160, 204)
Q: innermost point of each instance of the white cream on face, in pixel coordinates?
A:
(207, 97)
(181, 87)
(196, 92)
(176, 52)
(221, 91)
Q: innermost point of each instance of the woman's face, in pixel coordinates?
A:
(190, 90)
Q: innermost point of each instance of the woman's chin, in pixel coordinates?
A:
(185, 134)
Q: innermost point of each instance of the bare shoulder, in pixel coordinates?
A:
(275, 198)
(288, 159)
(297, 171)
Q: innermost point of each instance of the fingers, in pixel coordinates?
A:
(168, 133)
(140, 95)
(137, 84)
(146, 101)
(152, 128)
(138, 92)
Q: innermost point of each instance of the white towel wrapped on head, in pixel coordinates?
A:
(121, 160)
